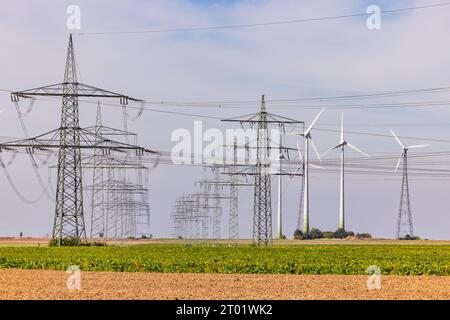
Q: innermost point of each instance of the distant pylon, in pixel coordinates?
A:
(404, 221)
(233, 223)
(217, 212)
(69, 218)
(98, 221)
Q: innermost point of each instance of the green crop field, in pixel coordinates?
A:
(320, 259)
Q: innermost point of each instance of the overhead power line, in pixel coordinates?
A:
(320, 100)
(347, 97)
(327, 99)
(384, 135)
(219, 118)
(265, 24)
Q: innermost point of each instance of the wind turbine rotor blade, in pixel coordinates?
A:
(335, 147)
(296, 133)
(314, 121)
(342, 126)
(355, 148)
(418, 146)
(316, 166)
(300, 153)
(315, 149)
(399, 160)
(396, 138)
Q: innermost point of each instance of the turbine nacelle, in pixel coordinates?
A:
(307, 134)
(404, 149)
(344, 143)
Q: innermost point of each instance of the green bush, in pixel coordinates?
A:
(315, 234)
(328, 234)
(65, 242)
(340, 234)
(408, 237)
(74, 242)
(364, 235)
(298, 234)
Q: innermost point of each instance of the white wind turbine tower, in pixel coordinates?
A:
(280, 182)
(280, 197)
(404, 210)
(342, 144)
(308, 140)
(280, 173)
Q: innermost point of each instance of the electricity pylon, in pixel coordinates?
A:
(70, 139)
(233, 221)
(98, 219)
(217, 213)
(262, 207)
(233, 184)
(262, 215)
(189, 217)
(404, 219)
(69, 217)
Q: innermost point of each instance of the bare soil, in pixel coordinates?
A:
(46, 284)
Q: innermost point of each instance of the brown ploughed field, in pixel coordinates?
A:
(46, 284)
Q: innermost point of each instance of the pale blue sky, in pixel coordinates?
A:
(297, 60)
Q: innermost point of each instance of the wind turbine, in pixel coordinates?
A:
(342, 144)
(280, 159)
(308, 140)
(404, 210)
(280, 197)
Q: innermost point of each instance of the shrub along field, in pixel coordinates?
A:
(318, 259)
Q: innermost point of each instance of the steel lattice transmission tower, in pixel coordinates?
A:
(404, 220)
(233, 222)
(98, 221)
(70, 139)
(69, 218)
(215, 184)
(217, 212)
(262, 207)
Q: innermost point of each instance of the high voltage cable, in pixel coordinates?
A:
(330, 166)
(375, 94)
(31, 157)
(220, 118)
(263, 24)
(16, 189)
(403, 105)
(384, 135)
(390, 125)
